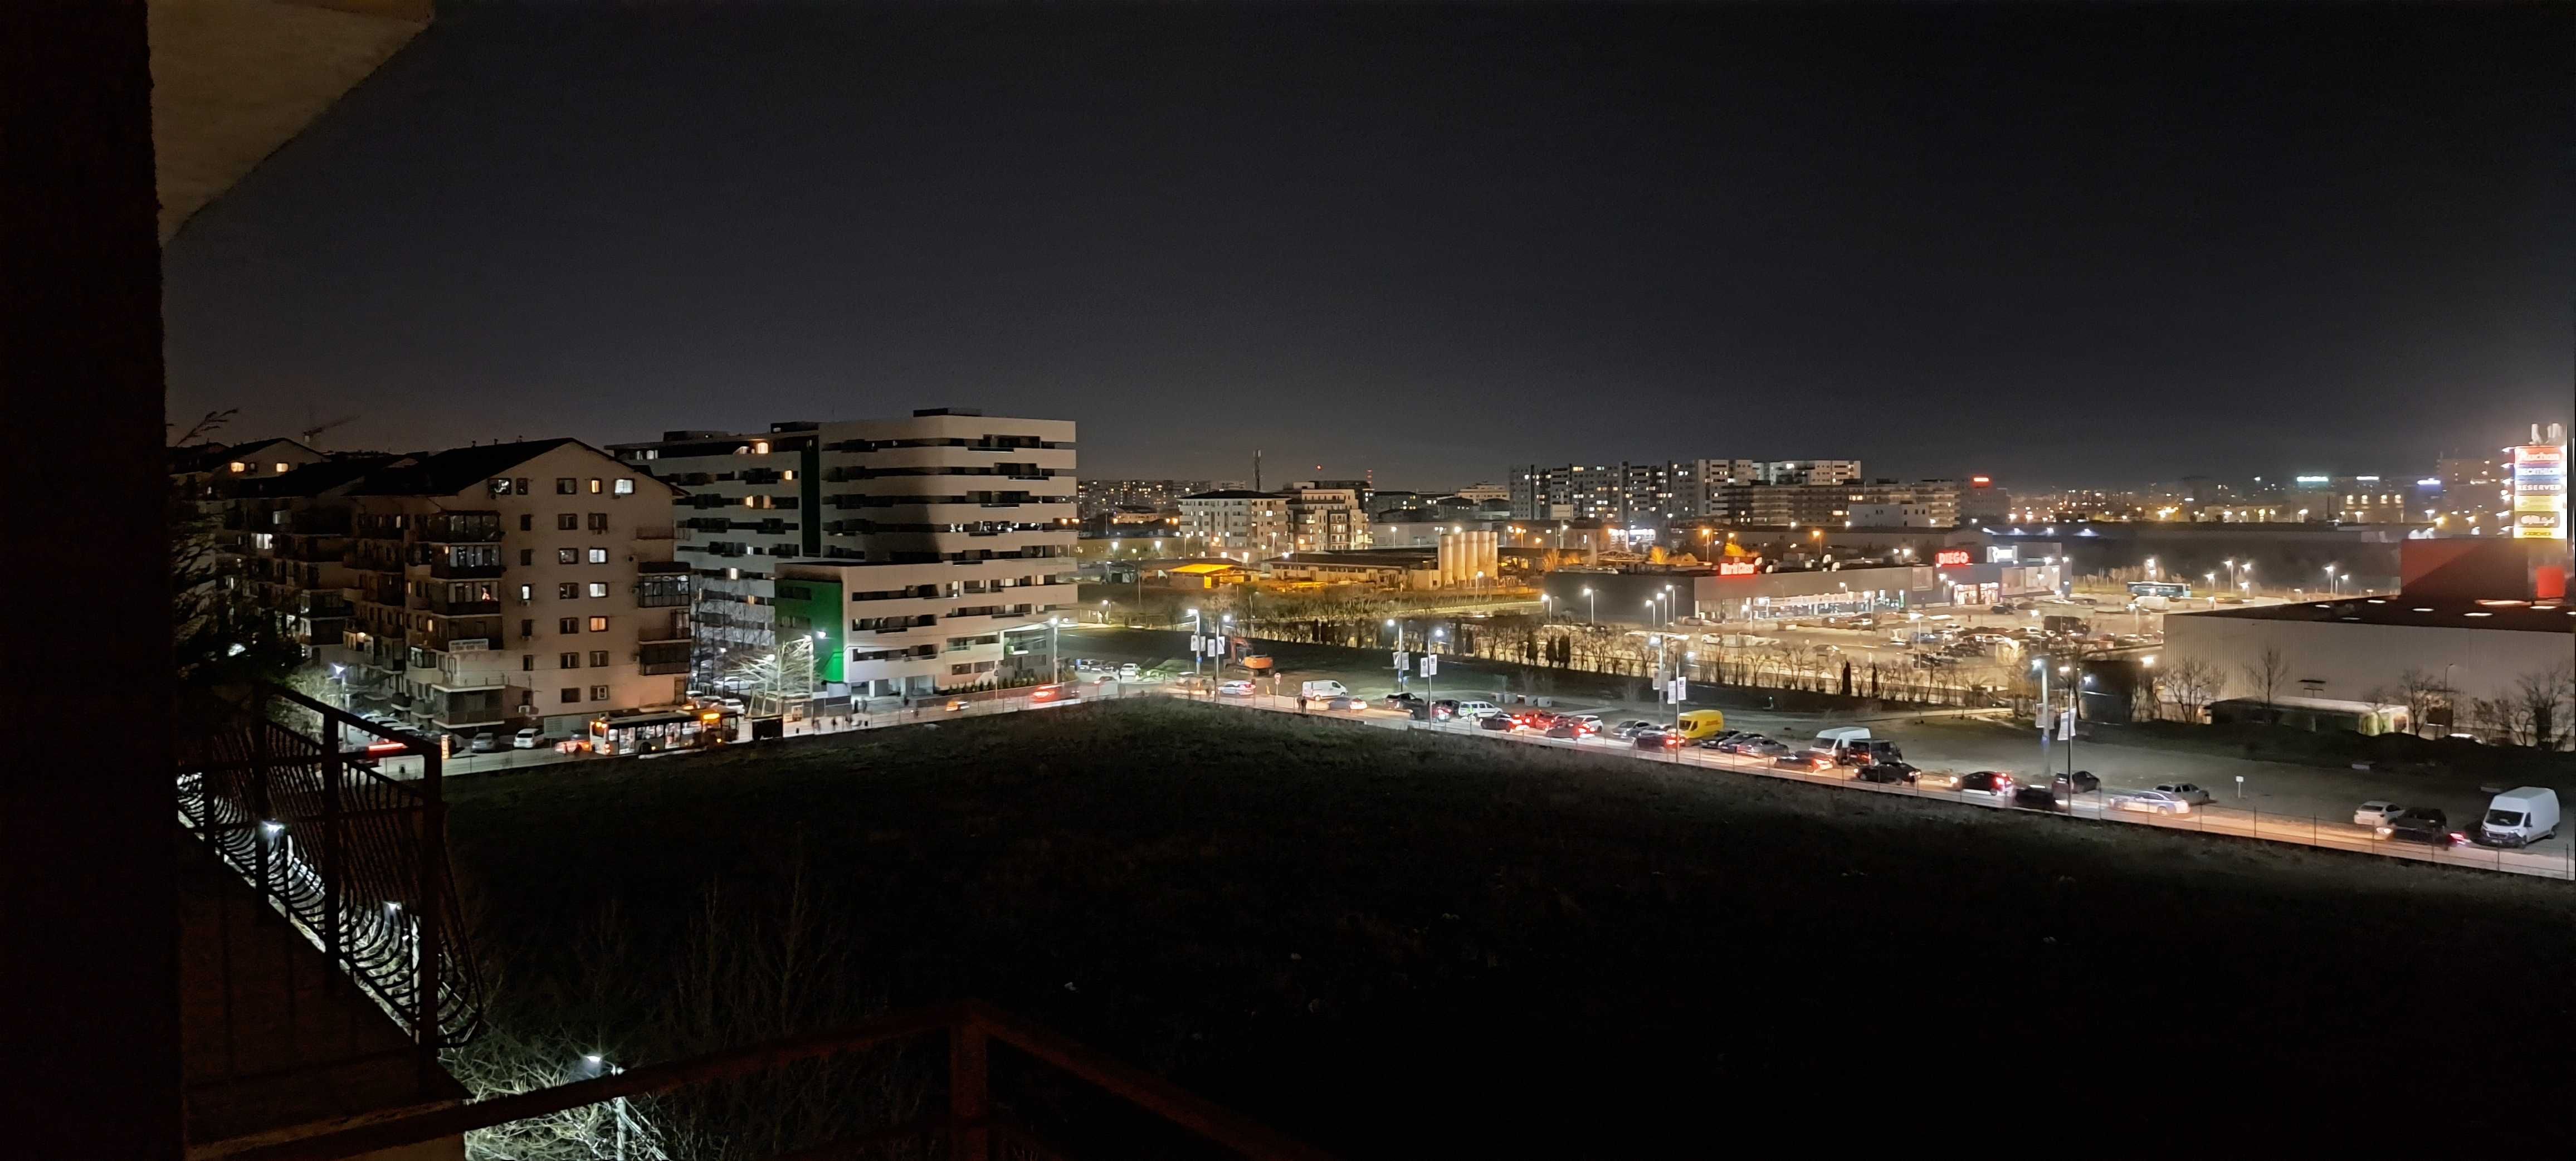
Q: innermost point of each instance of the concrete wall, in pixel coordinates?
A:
(2349, 661)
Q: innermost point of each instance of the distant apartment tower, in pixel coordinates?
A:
(920, 521)
(1239, 522)
(1104, 497)
(1569, 492)
(1482, 492)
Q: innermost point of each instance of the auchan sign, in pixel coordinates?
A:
(1735, 568)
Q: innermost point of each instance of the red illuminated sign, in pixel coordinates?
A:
(1950, 558)
(1735, 568)
(1981, 481)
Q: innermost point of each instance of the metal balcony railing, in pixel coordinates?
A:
(973, 1128)
(356, 859)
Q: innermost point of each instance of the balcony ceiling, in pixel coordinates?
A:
(232, 80)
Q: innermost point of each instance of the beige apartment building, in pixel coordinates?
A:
(519, 584)
(936, 534)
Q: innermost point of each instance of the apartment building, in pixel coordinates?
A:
(515, 584)
(1328, 515)
(285, 538)
(885, 509)
(1656, 493)
(1094, 498)
(1239, 521)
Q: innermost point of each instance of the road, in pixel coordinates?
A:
(2277, 791)
(2555, 858)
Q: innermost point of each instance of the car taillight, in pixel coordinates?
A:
(386, 748)
(2459, 837)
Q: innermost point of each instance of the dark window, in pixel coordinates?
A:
(598, 658)
(527, 522)
(567, 624)
(571, 694)
(567, 590)
(567, 486)
(599, 693)
(527, 557)
(524, 488)
(565, 555)
(528, 627)
(568, 661)
(567, 521)
(598, 520)
(528, 662)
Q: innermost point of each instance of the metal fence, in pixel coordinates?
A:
(354, 858)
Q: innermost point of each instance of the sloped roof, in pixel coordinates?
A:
(455, 470)
(318, 478)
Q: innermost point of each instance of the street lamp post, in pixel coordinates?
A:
(2334, 583)
(1198, 649)
(1596, 604)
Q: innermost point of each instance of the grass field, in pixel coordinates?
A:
(1398, 944)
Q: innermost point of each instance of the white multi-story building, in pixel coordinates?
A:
(1324, 517)
(917, 525)
(1239, 521)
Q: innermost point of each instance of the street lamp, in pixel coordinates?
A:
(2333, 583)
(1596, 604)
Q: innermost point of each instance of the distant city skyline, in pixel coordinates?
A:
(2066, 246)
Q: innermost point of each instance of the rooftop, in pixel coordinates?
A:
(2431, 612)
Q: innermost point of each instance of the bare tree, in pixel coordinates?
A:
(2266, 673)
(2192, 683)
(2420, 692)
(2540, 700)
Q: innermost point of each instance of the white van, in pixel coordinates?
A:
(1315, 689)
(1478, 709)
(1836, 739)
(2519, 817)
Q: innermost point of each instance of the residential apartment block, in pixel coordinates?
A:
(1239, 521)
(922, 522)
(1095, 498)
(481, 588)
(1654, 493)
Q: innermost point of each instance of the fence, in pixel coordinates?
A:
(973, 1128)
(353, 857)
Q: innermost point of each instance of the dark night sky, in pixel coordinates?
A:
(2063, 246)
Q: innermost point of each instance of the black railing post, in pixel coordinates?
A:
(334, 943)
(432, 910)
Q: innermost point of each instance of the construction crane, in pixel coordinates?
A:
(306, 436)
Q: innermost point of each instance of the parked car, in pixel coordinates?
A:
(1577, 727)
(1657, 739)
(1500, 722)
(1867, 752)
(1477, 709)
(2421, 824)
(2376, 813)
(1761, 748)
(1992, 783)
(530, 738)
(1630, 728)
(1130, 671)
(2151, 802)
(2082, 782)
(1534, 719)
(485, 742)
(1936, 779)
(1401, 699)
(1888, 772)
(1236, 688)
(1346, 702)
(2185, 791)
(1322, 689)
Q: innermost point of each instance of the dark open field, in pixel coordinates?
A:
(1409, 945)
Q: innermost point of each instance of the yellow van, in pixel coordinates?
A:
(1697, 724)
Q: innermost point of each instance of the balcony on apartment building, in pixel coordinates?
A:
(658, 658)
(461, 528)
(466, 566)
(460, 600)
(670, 627)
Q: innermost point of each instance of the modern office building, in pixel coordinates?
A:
(880, 506)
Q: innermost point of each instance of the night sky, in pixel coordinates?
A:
(2098, 246)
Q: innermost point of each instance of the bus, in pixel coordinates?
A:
(2166, 589)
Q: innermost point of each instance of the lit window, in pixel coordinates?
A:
(760, 447)
(239, 466)
(599, 588)
(599, 624)
(281, 467)
(598, 556)
(624, 488)
(595, 483)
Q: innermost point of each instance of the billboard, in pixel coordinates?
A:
(1950, 558)
(2540, 492)
(1735, 568)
